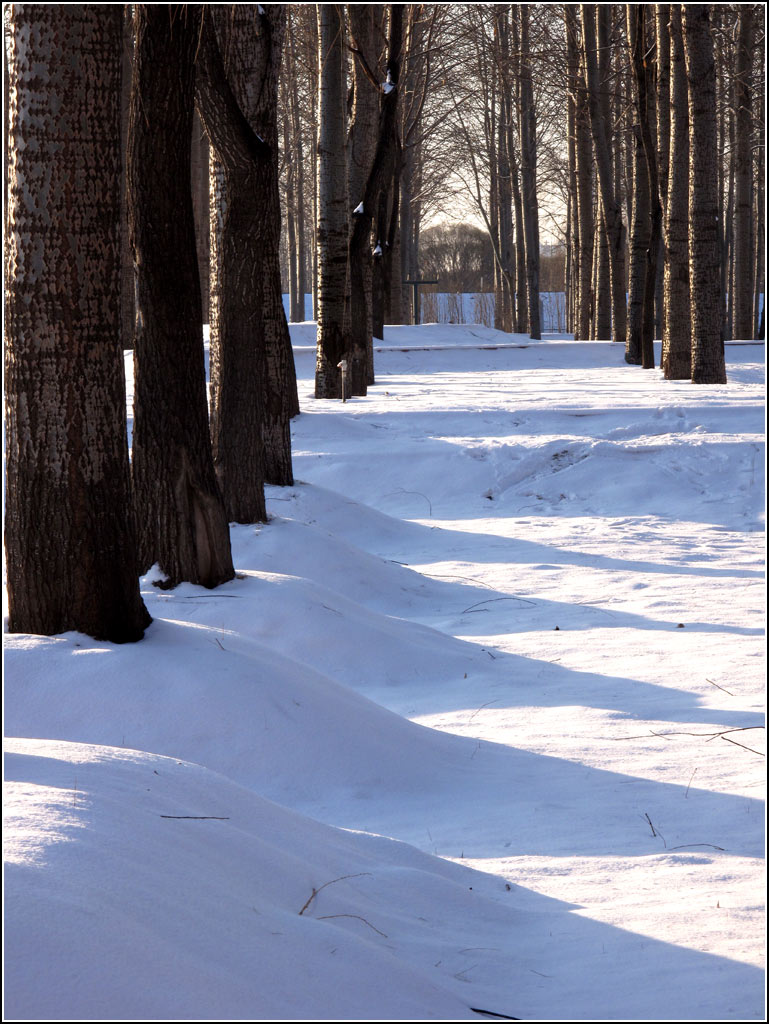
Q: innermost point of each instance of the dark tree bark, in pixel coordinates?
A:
(69, 532)
(181, 517)
(332, 230)
(640, 228)
(528, 129)
(585, 185)
(708, 364)
(609, 197)
(378, 181)
(361, 146)
(253, 381)
(676, 333)
(571, 16)
(641, 68)
(743, 219)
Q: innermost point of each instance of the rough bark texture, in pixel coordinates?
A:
(676, 332)
(742, 314)
(708, 365)
(570, 17)
(181, 518)
(70, 546)
(252, 370)
(361, 146)
(332, 231)
(528, 128)
(609, 195)
(641, 67)
(587, 72)
(640, 223)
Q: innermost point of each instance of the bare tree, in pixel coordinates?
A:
(708, 364)
(181, 517)
(69, 531)
(676, 332)
(332, 206)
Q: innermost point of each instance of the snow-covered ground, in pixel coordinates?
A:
(478, 727)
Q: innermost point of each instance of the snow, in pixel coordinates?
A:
(479, 724)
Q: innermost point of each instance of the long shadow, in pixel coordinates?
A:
(600, 972)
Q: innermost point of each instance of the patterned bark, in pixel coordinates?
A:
(332, 244)
(182, 521)
(708, 364)
(70, 543)
(528, 129)
(252, 368)
(676, 333)
(642, 72)
(742, 315)
(361, 146)
(606, 184)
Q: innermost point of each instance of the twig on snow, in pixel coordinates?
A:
(656, 832)
(728, 740)
(193, 817)
(331, 882)
(493, 600)
(357, 917)
(719, 687)
(688, 846)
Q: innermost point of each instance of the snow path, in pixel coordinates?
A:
(510, 614)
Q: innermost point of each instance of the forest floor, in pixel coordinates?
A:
(479, 726)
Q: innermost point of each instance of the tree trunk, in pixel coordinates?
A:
(332, 246)
(528, 129)
(69, 531)
(378, 182)
(181, 517)
(252, 366)
(361, 146)
(585, 191)
(641, 66)
(743, 219)
(572, 221)
(676, 333)
(708, 364)
(640, 228)
(605, 170)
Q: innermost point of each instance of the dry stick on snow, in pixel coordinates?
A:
(496, 701)
(331, 882)
(193, 817)
(719, 687)
(689, 846)
(656, 832)
(676, 732)
(327, 917)
(493, 600)
(760, 754)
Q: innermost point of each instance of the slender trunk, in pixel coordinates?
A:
(528, 129)
(743, 219)
(181, 518)
(641, 64)
(708, 364)
(332, 230)
(676, 333)
(603, 161)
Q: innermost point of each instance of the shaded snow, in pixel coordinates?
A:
(497, 658)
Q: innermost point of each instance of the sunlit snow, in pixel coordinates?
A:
(477, 727)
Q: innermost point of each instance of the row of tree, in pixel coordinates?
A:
(81, 525)
(589, 120)
(192, 125)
